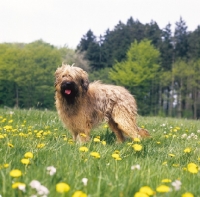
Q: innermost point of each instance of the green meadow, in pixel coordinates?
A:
(39, 158)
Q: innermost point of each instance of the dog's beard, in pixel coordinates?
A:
(69, 91)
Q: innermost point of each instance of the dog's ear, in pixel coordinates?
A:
(84, 81)
(57, 74)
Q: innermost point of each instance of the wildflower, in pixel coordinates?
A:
(83, 149)
(84, 180)
(10, 145)
(184, 136)
(62, 187)
(187, 194)
(83, 134)
(166, 181)
(177, 185)
(105, 126)
(192, 168)
(163, 189)
(116, 156)
(136, 139)
(103, 142)
(28, 155)
(116, 151)
(175, 165)
(6, 165)
(187, 150)
(25, 161)
(135, 167)
(35, 184)
(96, 139)
(19, 185)
(79, 194)
(158, 142)
(95, 154)
(140, 194)
(137, 147)
(1, 136)
(15, 173)
(164, 163)
(40, 145)
(146, 190)
(51, 170)
(171, 155)
(42, 190)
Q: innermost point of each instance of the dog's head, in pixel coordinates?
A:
(71, 81)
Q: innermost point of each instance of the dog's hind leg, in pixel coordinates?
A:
(125, 122)
(114, 127)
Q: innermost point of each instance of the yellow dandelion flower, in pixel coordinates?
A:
(28, 155)
(40, 145)
(171, 155)
(192, 168)
(158, 142)
(105, 126)
(83, 135)
(140, 194)
(103, 142)
(96, 139)
(10, 145)
(62, 187)
(137, 147)
(18, 184)
(1, 136)
(164, 163)
(136, 139)
(83, 149)
(187, 194)
(95, 154)
(25, 161)
(166, 181)
(79, 194)
(163, 189)
(6, 165)
(116, 156)
(15, 173)
(146, 190)
(187, 150)
(116, 151)
(175, 165)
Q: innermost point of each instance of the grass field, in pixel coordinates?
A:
(39, 158)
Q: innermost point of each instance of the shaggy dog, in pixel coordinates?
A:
(82, 105)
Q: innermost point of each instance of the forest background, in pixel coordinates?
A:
(160, 67)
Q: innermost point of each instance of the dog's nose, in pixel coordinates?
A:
(68, 82)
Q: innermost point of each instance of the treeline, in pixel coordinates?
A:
(27, 73)
(160, 67)
(173, 88)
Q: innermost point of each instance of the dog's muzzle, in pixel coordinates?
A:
(67, 87)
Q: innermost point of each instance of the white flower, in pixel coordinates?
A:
(198, 131)
(35, 184)
(184, 135)
(42, 190)
(135, 167)
(177, 185)
(51, 170)
(22, 188)
(84, 180)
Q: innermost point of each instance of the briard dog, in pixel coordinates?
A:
(82, 105)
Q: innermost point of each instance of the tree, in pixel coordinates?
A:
(138, 72)
(181, 39)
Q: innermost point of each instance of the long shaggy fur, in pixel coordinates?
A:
(82, 105)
